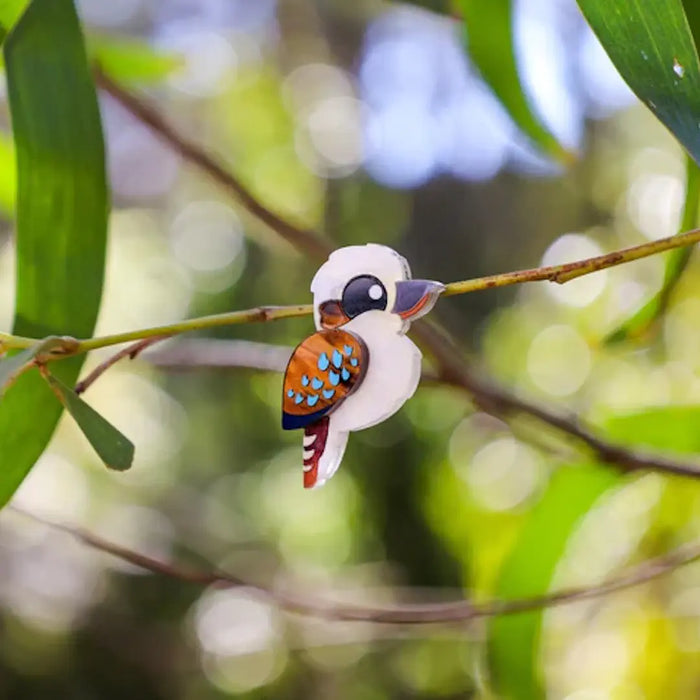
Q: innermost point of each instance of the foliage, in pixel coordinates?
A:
(61, 214)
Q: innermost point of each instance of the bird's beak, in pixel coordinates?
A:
(414, 298)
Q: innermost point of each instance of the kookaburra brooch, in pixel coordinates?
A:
(359, 367)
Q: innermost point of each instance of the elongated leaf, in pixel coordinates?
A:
(130, 60)
(489, 27)
(114, 448)
(61, 214)
(672, 428)
(651, 44)
(528, 571)
(642, 321)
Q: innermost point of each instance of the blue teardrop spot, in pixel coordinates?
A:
(323, 362)
(353, 361)
(298, 399)
(304, 380)
(316, 383)
(290, 393)
(347, 349)
(345, 375)
(328, 393)
(337, 359)
(334, 378)
(312, 399)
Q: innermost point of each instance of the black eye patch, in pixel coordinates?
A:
(363, 293)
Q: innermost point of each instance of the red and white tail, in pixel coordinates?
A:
(323, 451)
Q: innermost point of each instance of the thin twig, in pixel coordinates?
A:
(199, 352)
(259, 314)
(554, 273)
(131, 351)
(560, 274)
(458, 611)
(495, 400)
(303, 239)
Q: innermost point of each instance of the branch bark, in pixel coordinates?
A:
(458, 611)
(493, 399)
(302, 239)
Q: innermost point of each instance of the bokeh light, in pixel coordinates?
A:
(558, 360)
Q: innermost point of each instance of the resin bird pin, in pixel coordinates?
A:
(359, 367)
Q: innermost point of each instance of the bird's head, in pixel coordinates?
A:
(370, 278)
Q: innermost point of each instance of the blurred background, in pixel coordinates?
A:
(367, 121)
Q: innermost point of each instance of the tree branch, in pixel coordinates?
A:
(459, 611)
(302, 239)
(553, 273)
(200, 353)
(493, 399)
(560, 274)
(260, 314)
(131, 351)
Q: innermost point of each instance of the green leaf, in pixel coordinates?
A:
(62, 206)
(652, 46)
(114, 449)
(514, 639)
(129, 60)
(489, 28)
(644, 319)
(672, 428)
(528, 571)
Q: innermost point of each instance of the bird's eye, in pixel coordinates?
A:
(363, 293)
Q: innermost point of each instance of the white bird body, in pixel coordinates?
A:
(392, 374)
(359, 367)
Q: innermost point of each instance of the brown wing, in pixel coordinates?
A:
(324, 369)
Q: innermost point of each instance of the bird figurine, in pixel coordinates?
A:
(359, 367)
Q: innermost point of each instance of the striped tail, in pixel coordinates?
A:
(323, 451)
